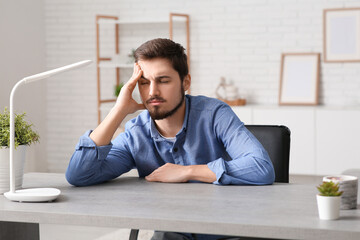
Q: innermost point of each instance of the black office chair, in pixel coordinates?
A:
(276, 141)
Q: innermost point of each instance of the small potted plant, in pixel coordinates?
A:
(24, 136)
(328, 200)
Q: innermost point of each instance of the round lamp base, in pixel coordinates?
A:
(33, 195)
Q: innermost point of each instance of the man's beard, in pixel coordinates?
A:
(156, 114)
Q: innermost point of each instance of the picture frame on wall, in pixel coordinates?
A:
(341, 31)
(299, 79)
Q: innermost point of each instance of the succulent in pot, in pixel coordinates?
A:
(328, 200)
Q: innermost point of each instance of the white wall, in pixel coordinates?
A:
(241, 40)
(22, 53)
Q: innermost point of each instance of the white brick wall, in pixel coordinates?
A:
(241, 40)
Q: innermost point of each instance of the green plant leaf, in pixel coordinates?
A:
(330, 189)
(24, 135)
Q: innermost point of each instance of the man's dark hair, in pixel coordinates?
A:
(164, 48)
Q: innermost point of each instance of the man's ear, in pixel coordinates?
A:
(187, 82)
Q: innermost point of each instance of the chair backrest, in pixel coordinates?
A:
(276, 141)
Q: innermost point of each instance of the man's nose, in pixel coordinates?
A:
(154, 90)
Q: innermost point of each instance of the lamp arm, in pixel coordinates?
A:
(34, 194)
(25, 80)
(55, 71)
(12, 134)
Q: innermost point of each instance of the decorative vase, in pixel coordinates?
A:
(229, 89)
(329, 207)
(19, 161)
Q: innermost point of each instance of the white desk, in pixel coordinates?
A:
(285, 211)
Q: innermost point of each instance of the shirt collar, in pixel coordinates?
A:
(155, 133)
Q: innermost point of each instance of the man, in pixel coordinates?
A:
(177, 139)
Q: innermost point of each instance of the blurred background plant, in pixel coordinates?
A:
(118, 89)
(131, 56)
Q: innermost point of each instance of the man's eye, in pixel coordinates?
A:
(164, 81)
(144, 83)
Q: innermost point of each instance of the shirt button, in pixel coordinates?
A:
(175, 149)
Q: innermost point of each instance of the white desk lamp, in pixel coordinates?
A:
(33, 194)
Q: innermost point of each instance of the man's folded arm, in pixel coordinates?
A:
(250, 163)
(242, 171)
(91, 164)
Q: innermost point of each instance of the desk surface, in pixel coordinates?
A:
(286, 211)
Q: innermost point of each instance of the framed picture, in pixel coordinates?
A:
(341, 35)
(299, 79)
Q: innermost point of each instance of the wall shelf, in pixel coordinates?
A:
(150, 21)
(115, 65)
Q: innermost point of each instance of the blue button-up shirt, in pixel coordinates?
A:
(211, 134)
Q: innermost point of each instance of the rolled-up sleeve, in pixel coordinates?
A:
(91, 164)
(250, 163)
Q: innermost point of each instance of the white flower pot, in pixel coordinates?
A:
(329, 207)
(19, 161)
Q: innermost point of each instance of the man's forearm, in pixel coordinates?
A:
(201, 173)
(170, 172)
(103, 134)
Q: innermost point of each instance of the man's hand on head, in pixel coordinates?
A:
(125, 99)
(125, 104)
(170, 173)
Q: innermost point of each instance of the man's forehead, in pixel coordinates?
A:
(156, 67)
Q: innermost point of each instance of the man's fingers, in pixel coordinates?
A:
(150, 178)
(135, 77)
